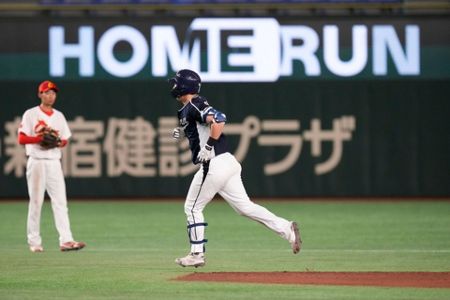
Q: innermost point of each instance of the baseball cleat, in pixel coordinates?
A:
(297, 243)
(69, 246)
(192, 260)
(37, 248)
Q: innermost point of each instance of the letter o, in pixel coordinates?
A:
(105, 51)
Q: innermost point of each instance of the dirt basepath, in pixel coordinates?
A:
(385, 279)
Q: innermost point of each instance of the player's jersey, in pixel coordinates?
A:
(192, 118)
(33, 120)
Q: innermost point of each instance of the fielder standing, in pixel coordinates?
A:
(44, 131)
(220, 172)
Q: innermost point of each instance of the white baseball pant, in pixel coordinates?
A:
(224, 177)
(46, 175)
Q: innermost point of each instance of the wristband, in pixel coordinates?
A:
(211, 142)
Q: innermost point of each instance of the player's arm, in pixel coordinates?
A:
(25, 139)
(216, 129)
(25, 135)
(66, 134)
(63, 143)
(217, 120)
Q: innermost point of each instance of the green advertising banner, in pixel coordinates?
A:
(225, 49)
(322, 114)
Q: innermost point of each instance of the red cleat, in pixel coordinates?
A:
(69, 246)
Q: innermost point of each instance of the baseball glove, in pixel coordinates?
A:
(50, 139)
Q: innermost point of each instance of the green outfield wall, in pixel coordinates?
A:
(328, 115)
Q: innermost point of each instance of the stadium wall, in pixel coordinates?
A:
(312, 130)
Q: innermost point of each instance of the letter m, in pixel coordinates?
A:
(166, 49)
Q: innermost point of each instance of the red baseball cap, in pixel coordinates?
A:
(47, 85)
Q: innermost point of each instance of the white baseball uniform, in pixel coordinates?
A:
(44, 173)
(222, 175)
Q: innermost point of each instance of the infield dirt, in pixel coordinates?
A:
(385, 279)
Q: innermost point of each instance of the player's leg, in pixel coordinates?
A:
(201, 192)
(235, 194)
(36, 191)
(56, 189)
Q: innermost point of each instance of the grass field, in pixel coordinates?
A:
(132, 247)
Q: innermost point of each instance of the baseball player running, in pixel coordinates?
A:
(220, 172)
(44, 131)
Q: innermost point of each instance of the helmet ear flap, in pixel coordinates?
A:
(175, 90)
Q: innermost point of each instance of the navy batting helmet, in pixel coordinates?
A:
(185, 82)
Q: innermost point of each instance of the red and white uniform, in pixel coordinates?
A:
(44, 173)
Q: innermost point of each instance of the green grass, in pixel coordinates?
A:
(132, 246)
